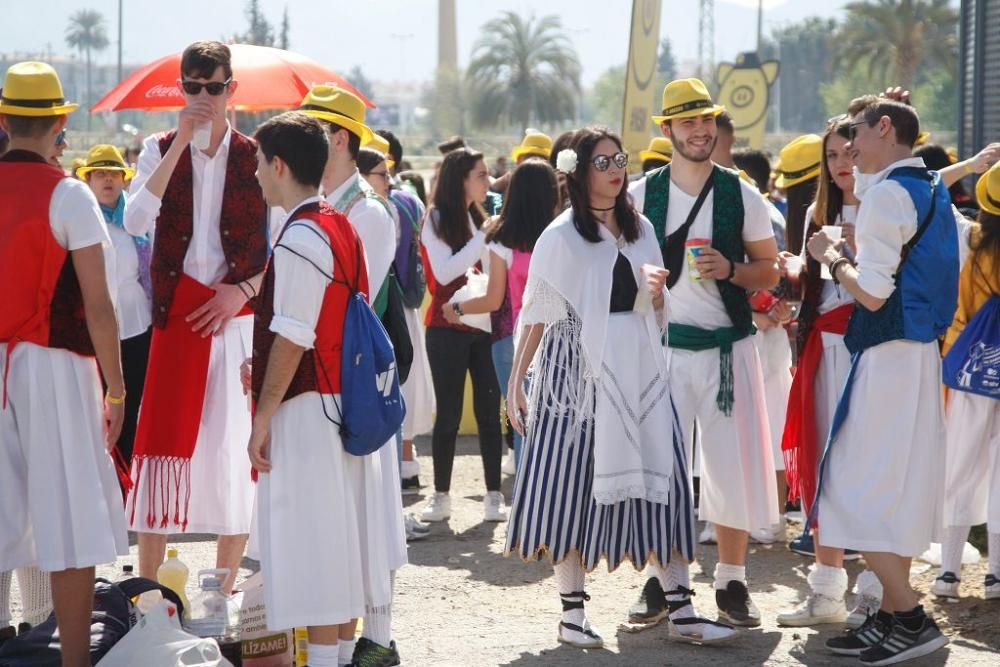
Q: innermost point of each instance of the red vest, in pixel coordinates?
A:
(42, 302)
(441, 294)
(319, 369)
(242, 226)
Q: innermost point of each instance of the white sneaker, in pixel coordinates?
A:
(708, 535)
(946, 585)
(509, 465)
(685, 625)
(438, 508)
(775, 533)
(815, 610)
(494, 508)
(415, 529)
(992, 587)
(580, 637)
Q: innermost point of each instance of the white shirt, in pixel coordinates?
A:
(77, 222)
(205, 260)
(699, 303)
(887, 219)
(377, 230)
(447, 265)
(299, 287)
(503, 252)
(133, 306)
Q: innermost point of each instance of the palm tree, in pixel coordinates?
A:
(523, 72)
(898, 37)
(86, 33)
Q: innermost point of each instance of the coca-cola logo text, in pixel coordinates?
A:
(163, 91)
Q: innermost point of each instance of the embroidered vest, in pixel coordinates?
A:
(727, 231)
(42, 302)
(923, 304)
(359, 190)
(319, 369)
(242, 225)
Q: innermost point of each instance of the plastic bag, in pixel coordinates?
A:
(159, 641)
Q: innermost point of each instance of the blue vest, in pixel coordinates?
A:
(923, 304)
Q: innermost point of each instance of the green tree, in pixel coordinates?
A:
(260, 31)
(607, 98)
(898, 38)
(86, 33)
(358, 79)
(666, 63)
(283, 41)
(523, 72)
(804, 50)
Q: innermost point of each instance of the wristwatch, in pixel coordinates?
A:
(457, 307)
(732, 270)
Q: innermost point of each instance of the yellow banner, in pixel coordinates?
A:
(640, 76)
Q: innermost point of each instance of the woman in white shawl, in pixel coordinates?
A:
(604, 471)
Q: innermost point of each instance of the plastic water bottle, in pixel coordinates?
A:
(212, 616)
(128, 572)
(174, 575)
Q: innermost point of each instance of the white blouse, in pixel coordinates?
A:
(133, 306)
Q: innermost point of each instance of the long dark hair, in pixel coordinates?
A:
(829, 197)
(584, 142)
(529, 206)
(936, 158)
(799, 197)
(985, 239)
(452, 224)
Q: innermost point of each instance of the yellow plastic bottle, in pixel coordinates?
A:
(174, 575)
(301, 647)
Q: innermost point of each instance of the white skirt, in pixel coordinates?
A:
(737, 463)
(308, 522)
(883, 485)
(60, 503)
(220, 486)
(972, 478)
(418, 391)
(776, 363)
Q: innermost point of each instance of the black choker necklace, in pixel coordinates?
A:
(610, 208)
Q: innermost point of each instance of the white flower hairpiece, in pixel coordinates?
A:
(566, 161)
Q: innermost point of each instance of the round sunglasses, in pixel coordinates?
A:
(214, 88)
(603, 162)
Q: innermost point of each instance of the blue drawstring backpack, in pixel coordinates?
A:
(371, 406)
(973, 362)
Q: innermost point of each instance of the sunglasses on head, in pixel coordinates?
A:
(214, 88)
(603, 162)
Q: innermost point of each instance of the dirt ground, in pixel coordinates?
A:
(460, 603)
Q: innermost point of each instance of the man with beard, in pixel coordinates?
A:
(715, 372)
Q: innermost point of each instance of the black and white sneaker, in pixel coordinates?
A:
(946, 585)
(652, 605)
(411, 486)
(871, 632)
(992, 587)
(903, 644)
(736, 607)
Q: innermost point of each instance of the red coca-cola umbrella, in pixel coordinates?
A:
(268, 79)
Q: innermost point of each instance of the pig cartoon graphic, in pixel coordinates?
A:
(744, 89)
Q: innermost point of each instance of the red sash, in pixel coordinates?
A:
(172, 402)
(799, 442)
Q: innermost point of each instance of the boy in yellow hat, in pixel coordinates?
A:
(715, 373)
(195, 187)
(343, 116)
(61, 503)
(659, 153)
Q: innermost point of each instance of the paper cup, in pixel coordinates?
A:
(693, 248)
(835, 232)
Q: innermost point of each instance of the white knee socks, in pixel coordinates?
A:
(570, 577)
(5, 580)
(323, 655)
(378, 620)
(346, 651)
(36, 594)
(951, 549)
(827, 580)
(724, 573)
(993, 545)
(674, 577)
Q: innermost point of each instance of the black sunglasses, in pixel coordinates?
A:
(852, 129)
(603, 162)
(214, 88)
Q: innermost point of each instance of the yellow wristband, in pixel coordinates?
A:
(115, 400)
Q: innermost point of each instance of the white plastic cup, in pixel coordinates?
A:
(835, 232)
(202, 136)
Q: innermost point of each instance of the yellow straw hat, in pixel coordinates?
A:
(921, 139)
(799, 161)
(105, 156)
(660, 148)
(988, 190)
(687, 98)
(340, 107)
(534, 143)
(33, 89)
(381, 144)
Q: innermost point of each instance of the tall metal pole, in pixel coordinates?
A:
(760, 24)
(119, 41)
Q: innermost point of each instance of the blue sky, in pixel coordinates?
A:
(344, 33)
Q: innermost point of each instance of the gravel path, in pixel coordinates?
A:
(461, 603)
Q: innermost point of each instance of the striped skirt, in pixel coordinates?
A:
(553, 512)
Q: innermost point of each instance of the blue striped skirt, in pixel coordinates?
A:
(553, 512)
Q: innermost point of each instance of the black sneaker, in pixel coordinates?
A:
(871, 632)
(411, 486)
(736, 607)
(7, 633)
(369, 654)
(652, 605)
(903, 644)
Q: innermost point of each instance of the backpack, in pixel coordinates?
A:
(371, 406)
(409, 265)
(393, 318)
(973, 362)
(113, 616)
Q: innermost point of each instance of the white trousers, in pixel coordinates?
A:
(775, 353)
(737, 462)
(972, 477)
